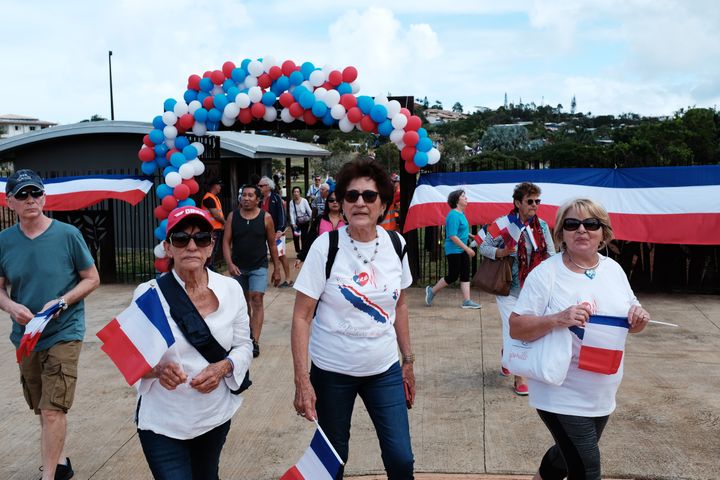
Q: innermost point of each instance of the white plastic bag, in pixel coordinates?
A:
(546, 359)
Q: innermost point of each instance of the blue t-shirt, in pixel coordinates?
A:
(455, 224)
(41, 269)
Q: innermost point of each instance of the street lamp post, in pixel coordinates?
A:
(112, 108)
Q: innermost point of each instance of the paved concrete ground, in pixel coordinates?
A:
(466, 419)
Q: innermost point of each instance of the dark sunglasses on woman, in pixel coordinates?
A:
(368, 195)
(24, 194)
(182, 239)
(536, 201)
(332, 200)
(590, 224)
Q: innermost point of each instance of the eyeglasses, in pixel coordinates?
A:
(332, 200)
(24, 194)
(182, 239)
(590, 224)
(261, 185)
(531, 201)
(368, 195)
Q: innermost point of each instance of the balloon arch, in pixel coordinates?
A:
(250, 92)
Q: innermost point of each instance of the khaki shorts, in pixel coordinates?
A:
(48, 377)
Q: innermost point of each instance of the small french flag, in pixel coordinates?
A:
(603, 344)
(319, 462)
(508, 227)
(138, 337)
(34, 329)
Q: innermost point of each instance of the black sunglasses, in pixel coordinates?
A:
(590, 224)
(368, 195)
(24, 194)
(182, 239)
(332, 200)
(531, 201)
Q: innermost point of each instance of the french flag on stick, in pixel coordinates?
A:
(138, 337)
(34, 329)
(603, 344)
(319, 462)
(508, 227)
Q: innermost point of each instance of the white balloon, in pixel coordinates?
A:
(199, 167)
(270, 114)
(194, 105)
(159, 250)
(393, 108)
(173, 179)
(199, 129)
(399, 121)
(268, 62)
(216, 89)
(345, 125)
(337, 111)
(231, 110)
(250, 81)
(381, 100)
(169, 118)
(186, 170)
(320, 93)
(170, 143)
(255, 94)
(433, 156)
(227, 121)
(317, 78)
(255, 68)
(199, 147)
(170, 131)
(327, 68)
(332, 98)
(396, 135)
(242, 100)
(181, 108)
(355, 87)
(400, 145)
(307, 85)
(285, 116)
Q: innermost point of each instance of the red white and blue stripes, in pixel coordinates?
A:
(319, 462)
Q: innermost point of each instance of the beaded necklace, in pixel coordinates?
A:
(360, 255)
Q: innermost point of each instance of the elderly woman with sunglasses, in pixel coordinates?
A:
(185, 402)
(575, 290)
(533, 245)
(353, 319)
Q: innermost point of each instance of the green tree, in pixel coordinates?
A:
(94, 118)
(457, 107)
(438, 104)
(505, 138)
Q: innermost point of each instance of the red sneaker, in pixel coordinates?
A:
(521, 389)
(504, 372)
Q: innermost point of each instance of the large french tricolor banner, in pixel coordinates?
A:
(138, 337)
(319, 462)
(34, 329)
(603, 343)
(74, 193)
(656, 204)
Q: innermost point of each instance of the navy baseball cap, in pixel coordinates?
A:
(21, 179)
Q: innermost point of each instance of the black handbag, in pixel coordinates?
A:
(494, 276)
(193, 325)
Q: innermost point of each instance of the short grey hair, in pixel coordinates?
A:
(325, 186)
(269, 181)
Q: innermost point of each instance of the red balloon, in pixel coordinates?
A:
(354, 114)
(349, 74)
(207, 74)
(367, 124)
(194, 82)
(209, 103)
(170, 152)
(162, 265)
(181, 192)
(411, 138)
(296, 110)
(217, 77)
(147, 141)
(245, 116)
(227, 69)
(169, 203)
(413, 123)
(192, 185)
(146, 154)
(348, 101)
(186, 121)
(286, 99)
(411, 168)
(407, 154)
(327, 86)
(160, 212)
(264, 81)
(288, 66)
(309, 118)
(257, 110)
(405, 112)
(335, 78)
(275, 72)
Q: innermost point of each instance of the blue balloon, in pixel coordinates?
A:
(212, 126)
(420, 159)
(214, 115)
(378, 113)
(220, 101)
(232, 93)
(158, 122)
(424, 144)
(319, 109)
(365, 104)
(296, 78)
(162, 162)
(268, 99)
(159, 233)
(244, 64)
(344, 88)
(163, 225)
(188, 202)
(148, 168)
(328, 119)
(298, 92)
(161, 150)
(157, 136)
(163, 190)
(177, 159)
(227, 85)
(190, 152)
(201, 115)
(169, 169)
(422, 132)
(202, 96)
(190, 95)
(306, 69)
(306, 100)
(281, 84)
(169, 104)
(206, 84)
(385, 128)
(238, 74)
(181, 142)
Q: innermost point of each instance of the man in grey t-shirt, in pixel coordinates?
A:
(44, 262)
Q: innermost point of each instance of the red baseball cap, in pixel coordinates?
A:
(181, 213)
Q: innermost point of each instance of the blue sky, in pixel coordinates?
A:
(650, 57)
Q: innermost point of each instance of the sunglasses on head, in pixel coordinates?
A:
(24, 194)
(590, 224)
(369, 196)
(531, 201)
(182, 239)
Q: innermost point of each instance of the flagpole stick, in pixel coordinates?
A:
(663, 323)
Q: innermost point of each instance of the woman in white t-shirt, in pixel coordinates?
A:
(563, 292)
(360, 322)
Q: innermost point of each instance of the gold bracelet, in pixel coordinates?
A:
(409, 358)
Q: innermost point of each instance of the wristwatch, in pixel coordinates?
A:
(409, 358)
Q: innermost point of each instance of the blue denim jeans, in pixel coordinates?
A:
(194, 459)
(576, 453)
(384, 398)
